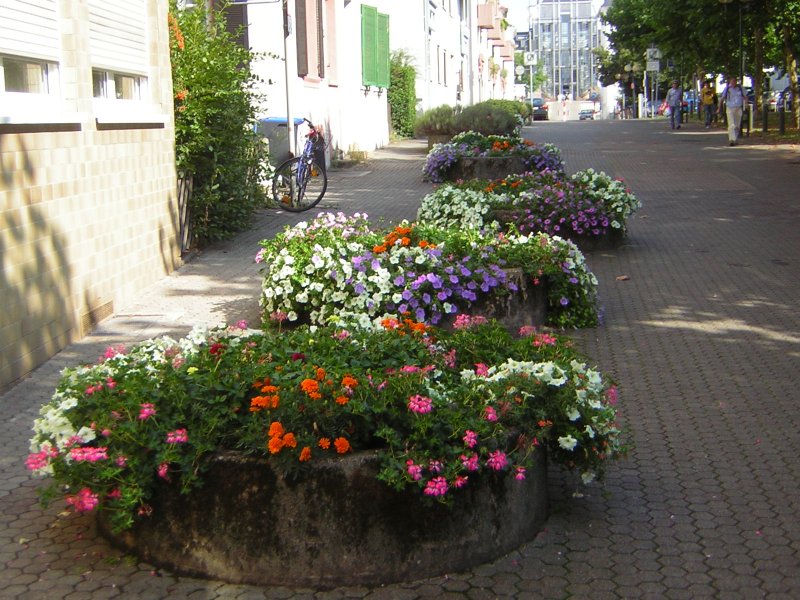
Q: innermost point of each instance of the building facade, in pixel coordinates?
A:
(88, 208)
(563, 35)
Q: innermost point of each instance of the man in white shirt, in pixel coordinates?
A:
(733, 98)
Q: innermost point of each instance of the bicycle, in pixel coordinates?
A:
(299, 183)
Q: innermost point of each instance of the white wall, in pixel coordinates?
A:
(352, 117)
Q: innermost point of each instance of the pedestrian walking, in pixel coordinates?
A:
(708, 101)
(733, 99)
(675, 104)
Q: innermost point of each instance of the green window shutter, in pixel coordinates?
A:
(382, 54)
(369, 45)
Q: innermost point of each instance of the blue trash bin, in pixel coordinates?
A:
(275, 129)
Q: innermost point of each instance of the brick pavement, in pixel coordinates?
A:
(704, 339)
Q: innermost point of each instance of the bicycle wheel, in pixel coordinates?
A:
(297, 194)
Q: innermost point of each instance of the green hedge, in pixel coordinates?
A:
(402, 95)
(491, 117)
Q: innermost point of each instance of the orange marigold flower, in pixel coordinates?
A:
(405, 241)
(309, 386)
(275, 445)
(320, 375)
(258, 402)
(390, 323)
(342, 445)
(342, 400)
(275, 429)
(324, 443)
(314, 395)
(289, 440)
(269, 389)
(273, 401)
(379, 249)
(349, 381)
(305, 454)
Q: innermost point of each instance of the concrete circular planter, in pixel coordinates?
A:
(613, 238)
(525, 307)
(486, 167)
(334, 525)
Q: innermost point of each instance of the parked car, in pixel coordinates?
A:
(540, 112)
(587, 114)
(784, 99)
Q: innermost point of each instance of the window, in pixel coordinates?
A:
(25, 75)
(117, 86)
(310, 38)
(374, 47)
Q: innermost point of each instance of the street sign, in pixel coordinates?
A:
(519, 69)
(654, 65)
(653, 54)
(529, 59)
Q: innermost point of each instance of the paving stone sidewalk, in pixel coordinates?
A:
(701, 329)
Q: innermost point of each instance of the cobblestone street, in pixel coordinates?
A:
(701, 329)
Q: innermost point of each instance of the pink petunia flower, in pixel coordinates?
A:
(520, 474)
(527, 330)
(612, 394)
(460, 481)
(241, 324)
(470, 438)
(147, 410)
(497, 460)
(88, 454)
(163, 469)
(179, 436)
(481, 370)
(436, 487)
(40, 460)
(490, 414)
(84, 501)
(420, 404)
(470, 463)
(414, 471)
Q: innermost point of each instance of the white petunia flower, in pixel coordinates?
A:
(567, 442)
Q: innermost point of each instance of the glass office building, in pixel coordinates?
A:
(562, 37)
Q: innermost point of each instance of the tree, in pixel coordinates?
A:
(215, 110)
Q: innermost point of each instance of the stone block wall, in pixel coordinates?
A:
(88, 206)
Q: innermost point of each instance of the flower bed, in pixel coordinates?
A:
(585, 207)
(337, 266)
(441, 410)
(471, 154)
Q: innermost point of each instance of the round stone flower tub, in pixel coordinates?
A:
(334, 525)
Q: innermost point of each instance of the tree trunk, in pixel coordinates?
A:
(791, 64)
(758, 75)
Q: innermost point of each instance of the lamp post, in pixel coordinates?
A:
(631, 70)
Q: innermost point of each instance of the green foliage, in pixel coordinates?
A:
(491, 117)
(215, 106)
(440, 120)
(402, 94)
